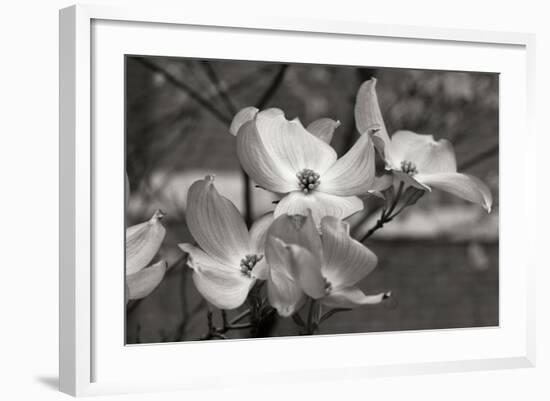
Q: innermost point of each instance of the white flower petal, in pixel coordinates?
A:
(216, 224)
(283, 290)
(258, 234)
(266, 171)
(408, 180)
(382, 182)
(368, 117)
(461, 185)
(143, 242)
(284, 295)
(347, 261)
(142, 283)
(290, 144)
(307, 270)
(224, 286)
(260, 271)
(353, 173)
(352, 297)
(297, 229)
(428, 155)
(243, 116)
(321, 205)
(323, 128)
(301, 251)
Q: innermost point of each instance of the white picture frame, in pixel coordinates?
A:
(91, 40)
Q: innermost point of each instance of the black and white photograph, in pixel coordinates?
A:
(217, 201)
(276, 199)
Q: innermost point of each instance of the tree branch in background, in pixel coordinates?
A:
(219, 86)
(187, 89)
(230, 106)
(272, 88)
(492, 151)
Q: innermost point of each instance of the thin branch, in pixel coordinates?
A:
(240, 316)
(186, 88)
(272, 88)
(218, 85)
(332, 312)
(493, 150)
(225, 323)
(298, 320)
(386, 215)
(379, 224)
(247, 199)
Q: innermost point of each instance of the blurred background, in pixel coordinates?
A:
(439, 257)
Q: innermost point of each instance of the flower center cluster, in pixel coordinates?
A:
(408, 167)
(328, 286)
(248, 263)
(308, 180)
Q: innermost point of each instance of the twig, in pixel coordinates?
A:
(247, 199)
(183, 86)
(493, 150)
(220, 89)
(240, 316)
(225, 323)
(332, 312)
(386, 215)
(379, 224)
(312, 323)
(298, 320)
(272, 88)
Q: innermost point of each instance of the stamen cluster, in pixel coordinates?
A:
(408, 167)
(248, 263)
(308, 180)
(328, 286)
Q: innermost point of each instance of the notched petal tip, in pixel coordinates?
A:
(353, 297)
(354, 173)
(143, 242)
(462, 185)
(241, 118)
(158, 215)
(323, 128)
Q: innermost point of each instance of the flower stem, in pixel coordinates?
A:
(408, 198)
(240, 317)
(312, 324)
(379, 224)
(332, 312)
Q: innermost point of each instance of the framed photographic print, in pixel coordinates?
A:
(305, 199)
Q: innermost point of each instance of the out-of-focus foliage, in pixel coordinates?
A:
(173, 140)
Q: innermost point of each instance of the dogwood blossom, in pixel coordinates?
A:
(230, 258)
(283, 157)
(325, 266)
(415, 159)
(142, 244)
